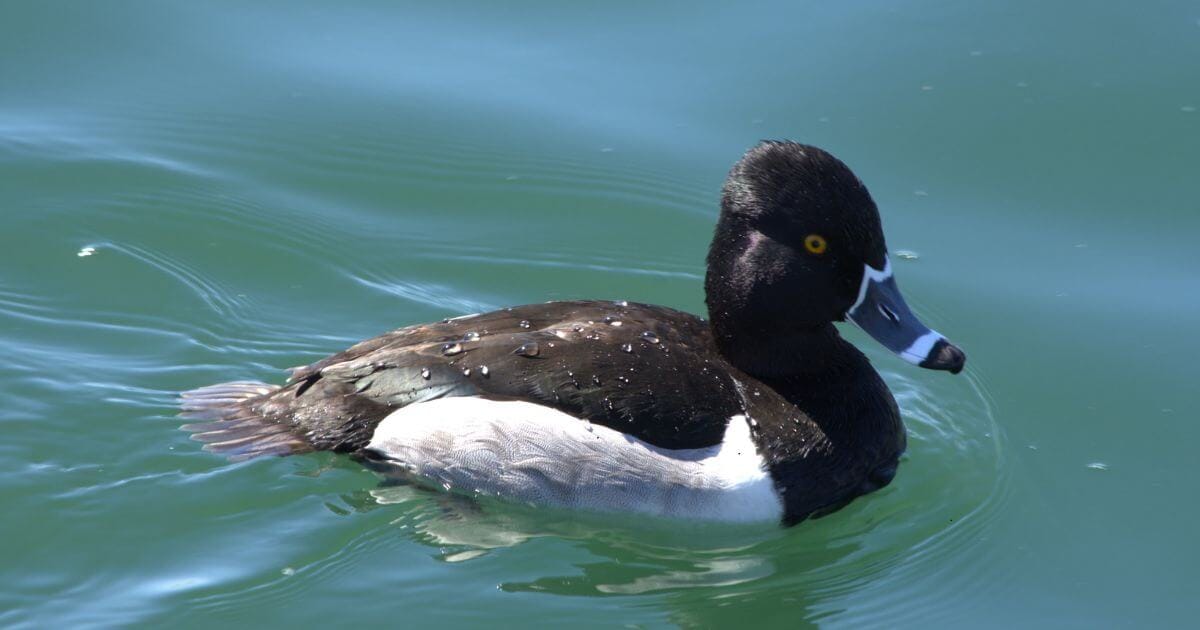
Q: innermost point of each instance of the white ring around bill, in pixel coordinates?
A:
(919, 350)
(870, 273)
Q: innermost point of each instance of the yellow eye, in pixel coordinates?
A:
(815, 243)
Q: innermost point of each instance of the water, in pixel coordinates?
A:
(192, 193)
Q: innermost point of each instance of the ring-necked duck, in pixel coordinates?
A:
(763, 412)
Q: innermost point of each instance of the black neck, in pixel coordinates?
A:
(800, 354)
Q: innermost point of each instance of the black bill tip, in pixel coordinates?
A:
(945, 356)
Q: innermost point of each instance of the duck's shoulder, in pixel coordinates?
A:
(829, 437)
(647, 371)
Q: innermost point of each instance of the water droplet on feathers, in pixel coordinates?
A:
(451, 349)
(530, 349)
(425, 373)
(650, 337)
(471, 336)
(627, 347)
(524, 323)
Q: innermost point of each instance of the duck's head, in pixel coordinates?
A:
(799, 245)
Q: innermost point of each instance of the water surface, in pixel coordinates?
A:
(192, 193)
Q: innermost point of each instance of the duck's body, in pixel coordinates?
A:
(609, 405)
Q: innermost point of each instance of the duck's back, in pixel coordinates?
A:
(648, 372)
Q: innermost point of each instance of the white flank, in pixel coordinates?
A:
(528, 452)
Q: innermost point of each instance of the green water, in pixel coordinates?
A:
(264, 183)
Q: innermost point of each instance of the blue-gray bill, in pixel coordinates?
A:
(881, 311)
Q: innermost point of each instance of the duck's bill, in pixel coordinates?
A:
(883, 314)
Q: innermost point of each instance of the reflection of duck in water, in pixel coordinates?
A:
(763, 413)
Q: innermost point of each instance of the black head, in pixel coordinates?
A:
(798, 245)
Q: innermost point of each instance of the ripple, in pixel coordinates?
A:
(24, 138)
(433, 294)
(217, 297)
(558, 260)
(402, 157)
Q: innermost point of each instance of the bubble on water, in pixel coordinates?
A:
(288, 571)
(907, 254)
(1098, 466)
(1188, 109)
(86, 251)
(920, 193)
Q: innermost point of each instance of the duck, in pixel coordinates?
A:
(761, 412)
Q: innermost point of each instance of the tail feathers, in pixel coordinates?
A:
(232, 424)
